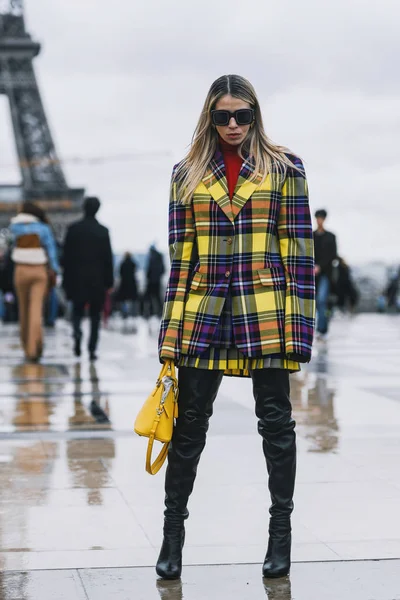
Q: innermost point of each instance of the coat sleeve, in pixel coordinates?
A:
(51, 248)
(297, 253)
(108, 263)
(66, 260)
(181, 237)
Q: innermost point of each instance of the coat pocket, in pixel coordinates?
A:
(266, 276)
(197, 277)
(272, 277)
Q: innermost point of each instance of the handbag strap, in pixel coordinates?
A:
(152, 469)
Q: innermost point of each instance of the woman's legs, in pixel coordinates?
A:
(198, 389)
(38, 290)
(22, 288)
(273, 408)
(323, 288)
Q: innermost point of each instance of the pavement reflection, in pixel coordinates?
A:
(100, 405)
(32, 389)
(99, 408)
(36, 397)
(313, 400)
(84, 474)
(279, 589)
(170, 590)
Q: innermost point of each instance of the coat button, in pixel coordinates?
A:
(228, 274)
(229, 240)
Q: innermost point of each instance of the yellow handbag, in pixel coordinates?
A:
(156, 417)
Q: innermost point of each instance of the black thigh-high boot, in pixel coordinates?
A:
(197, 391)
(273, 408)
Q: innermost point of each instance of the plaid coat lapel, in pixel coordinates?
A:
(216, 184)
(244, 188)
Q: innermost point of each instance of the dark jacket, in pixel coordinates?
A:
(325, 251)
(155, 267)
(7, 273)
(87, 261)
(128, 287)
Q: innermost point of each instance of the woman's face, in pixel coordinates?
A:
(232, 133)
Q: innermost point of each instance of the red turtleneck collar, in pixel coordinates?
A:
(233, 164)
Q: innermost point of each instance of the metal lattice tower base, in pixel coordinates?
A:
(43, 180)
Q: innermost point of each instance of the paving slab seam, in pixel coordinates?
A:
(55, 435)
(200, 565)
(63, 394)
(78, 571)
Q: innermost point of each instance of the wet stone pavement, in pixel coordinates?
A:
(80, 518)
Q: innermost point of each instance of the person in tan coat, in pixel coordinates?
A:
(36, 265)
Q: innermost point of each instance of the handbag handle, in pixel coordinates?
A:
(153, 468)
(168, 365)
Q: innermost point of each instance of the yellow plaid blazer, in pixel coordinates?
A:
(258, 248)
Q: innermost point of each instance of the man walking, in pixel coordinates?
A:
(154, 273)
(88, 272)
(325, 254)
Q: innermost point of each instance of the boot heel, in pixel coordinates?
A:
(169, 564)
(277, 560)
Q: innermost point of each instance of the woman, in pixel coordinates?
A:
(127, 290)
(36, 265)
(239, 301)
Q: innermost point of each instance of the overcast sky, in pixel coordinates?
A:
(131, 77)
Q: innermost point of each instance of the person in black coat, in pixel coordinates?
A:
(154, 273)
(88, 272)
(325, 254)
(344, 288)
(10, 303)
(392, 291)
(127, 290)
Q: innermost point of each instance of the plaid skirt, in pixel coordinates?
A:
(222, 355)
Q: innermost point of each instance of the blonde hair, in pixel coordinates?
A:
(265, 156)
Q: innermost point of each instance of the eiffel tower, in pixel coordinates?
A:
(42, 177)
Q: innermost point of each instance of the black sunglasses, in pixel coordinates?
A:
(243, 116)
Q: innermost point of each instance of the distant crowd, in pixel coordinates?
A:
(91, 279)
(335, 286)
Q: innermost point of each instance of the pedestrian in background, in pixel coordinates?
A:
(239, 300)
(155, 271)
(88, 272)
(9, 296)
(36, 265)
(127, 293)
(392, 292)
(346, 292)
(325, 254)
(108, 307)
